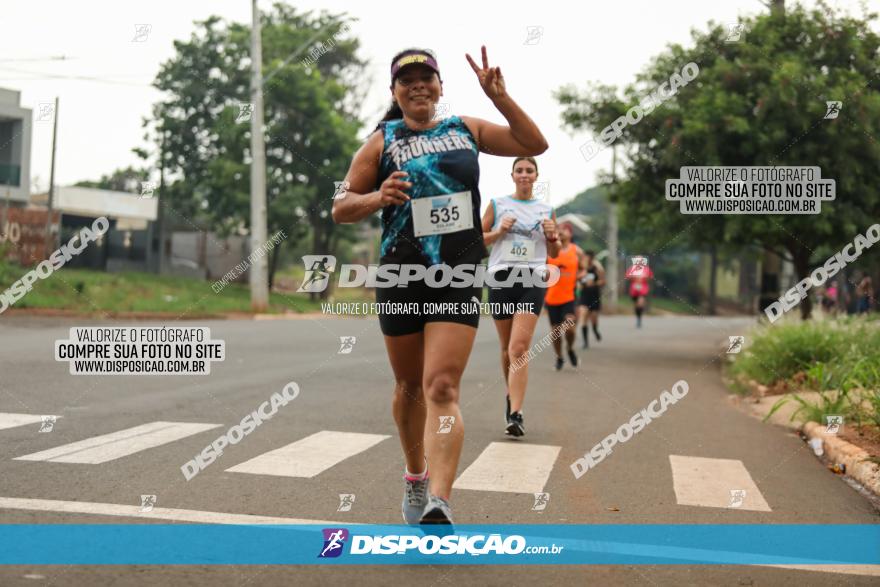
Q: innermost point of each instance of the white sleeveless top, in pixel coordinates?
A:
(524, 243)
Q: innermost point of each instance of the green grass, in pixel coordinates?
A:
(839, 359)
(671, 305)
(625, 303)
(829, 353)
(96, 292)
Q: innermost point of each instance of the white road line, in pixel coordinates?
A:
(134, 511)
(311, 455)
(9, 420)
(710, 482)
(871, 570)
(510, 467)
(107, 447)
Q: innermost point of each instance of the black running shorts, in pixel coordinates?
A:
(558, 313)
(406, 310)
(505, 301)
(591, 298)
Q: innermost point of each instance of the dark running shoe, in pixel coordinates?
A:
(596, 332)
(559, 363)
(438, 511)
(572, 358)
(515, 426)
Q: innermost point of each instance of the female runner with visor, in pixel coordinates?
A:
(522, 232)
(410, 166)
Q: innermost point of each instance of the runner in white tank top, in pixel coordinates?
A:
(524, 244)
(522, 231)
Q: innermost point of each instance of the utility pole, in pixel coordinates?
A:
(4, 228)
(611, 272)
(160, 215)
(50, 240)
(259, 274)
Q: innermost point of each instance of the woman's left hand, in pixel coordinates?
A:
(490, 78)
(549, 228)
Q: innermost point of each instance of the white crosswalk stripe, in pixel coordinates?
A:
(107, 447)
(10, 420)
(311, 455)
(717, 483)
(501, 467)
(510, 467)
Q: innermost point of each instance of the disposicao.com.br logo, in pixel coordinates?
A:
(320, 267)
(334, 540)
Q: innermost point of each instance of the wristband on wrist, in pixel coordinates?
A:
(552, 240)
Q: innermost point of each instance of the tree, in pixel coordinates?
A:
(759, 101)
(311, 123)
(121, 180)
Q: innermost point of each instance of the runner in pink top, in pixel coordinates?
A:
(638, 289)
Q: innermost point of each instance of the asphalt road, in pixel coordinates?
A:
(350, 393)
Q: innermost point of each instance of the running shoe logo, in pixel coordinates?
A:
(148, 502)
(533, 35)
(340, 189)
(334, 541)
(346, 500)
(737, 497)
(833, 424)
(833, 109)
(48, 423)
(541, 500)
(735, 345)
(245, 111)
(317, 276)
(540, 189)
(734, 32)
(639, 267)
(346, 344)
(147, 189)
(446, 423)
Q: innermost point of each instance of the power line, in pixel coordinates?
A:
(53, 58)
(73, 77)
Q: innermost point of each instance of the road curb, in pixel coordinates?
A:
(840, 451)
(836, 450)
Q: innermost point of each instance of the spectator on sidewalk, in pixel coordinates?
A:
(865, 295)
(829, 299)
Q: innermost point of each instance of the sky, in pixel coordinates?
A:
(104, 82)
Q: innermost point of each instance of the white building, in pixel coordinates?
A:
(15, 149)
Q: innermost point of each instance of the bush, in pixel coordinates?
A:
(840, 360)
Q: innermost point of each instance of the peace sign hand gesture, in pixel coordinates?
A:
(490, 78)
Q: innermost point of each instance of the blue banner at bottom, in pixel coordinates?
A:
(637, 544)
